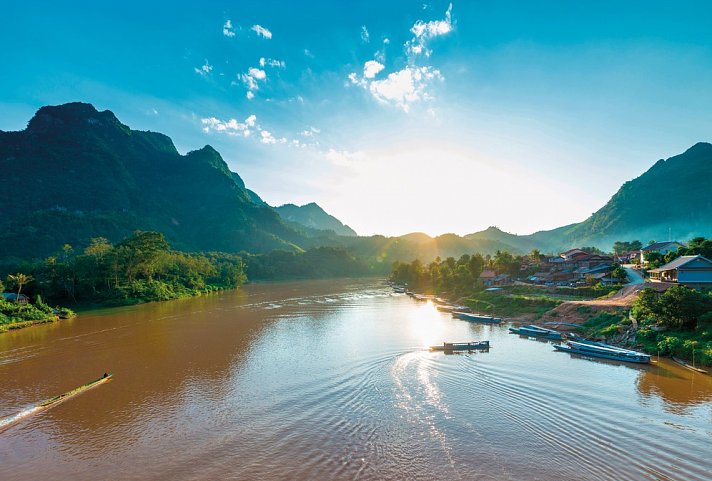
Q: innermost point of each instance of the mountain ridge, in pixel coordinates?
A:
(76, 173)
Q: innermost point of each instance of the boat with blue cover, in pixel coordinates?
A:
(592, 350)
(536, 331)
(467, 316)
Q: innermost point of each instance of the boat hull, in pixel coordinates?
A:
(462, 346)
(466, 316)
(555, 336)
(641, 359)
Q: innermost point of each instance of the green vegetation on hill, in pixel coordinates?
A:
(84, 175)
(672, 196)
(320, 262)
(76, 173)
(314, 217)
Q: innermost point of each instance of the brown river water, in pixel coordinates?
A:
(329, 380)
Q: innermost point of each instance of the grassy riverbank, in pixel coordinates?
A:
(18, 316)
(530, 302)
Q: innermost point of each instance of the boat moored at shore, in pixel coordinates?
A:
(462, 346)
(585, 349)
(536, 331)
(467, 316)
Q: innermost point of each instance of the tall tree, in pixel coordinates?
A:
(20, 280)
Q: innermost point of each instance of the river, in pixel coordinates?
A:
(330, 380)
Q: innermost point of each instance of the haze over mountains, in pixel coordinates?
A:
(75, 173)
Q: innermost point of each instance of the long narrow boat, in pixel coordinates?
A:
(604, 352)
(461, 346)
(689, 366)
(581, 340)
(466, 316)
(47, 403)
(451, 308)
(536, 331)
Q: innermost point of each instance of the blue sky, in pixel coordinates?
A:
(394, 116)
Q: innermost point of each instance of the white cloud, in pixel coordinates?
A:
(271, 62)
(308, 53)
(205, 69)
(310, 132)
(256, 73)
(231, 126)
(261, 31)
(423, 32)
(371, 68)
(251, 80)
(365, 37)
(401, 88)
(228, 29)
(267, 137)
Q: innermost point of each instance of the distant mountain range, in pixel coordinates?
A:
(76, 173)
(313, 216)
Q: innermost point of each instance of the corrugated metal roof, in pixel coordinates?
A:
(659, 245)
(679, 262)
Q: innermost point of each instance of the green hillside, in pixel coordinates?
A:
(313, 216)
(673, 198)
(76, 173)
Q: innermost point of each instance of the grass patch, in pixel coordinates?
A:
(511, 305)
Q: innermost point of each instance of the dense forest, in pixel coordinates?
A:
(142, 267)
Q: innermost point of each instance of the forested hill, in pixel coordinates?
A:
(673, 198)
(312, 215)
(76, 173)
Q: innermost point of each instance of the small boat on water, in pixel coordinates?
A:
(467, 316)
(461, 346)
(689, 366)
(444, 308)
(536, 331)
(47, 403)
(591, 350)
(420, 297)
(451, 308)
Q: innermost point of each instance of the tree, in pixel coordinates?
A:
(19, 280)
(619, 247)
(678, 308)
(619, 274)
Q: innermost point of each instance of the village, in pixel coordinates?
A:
(577, 268)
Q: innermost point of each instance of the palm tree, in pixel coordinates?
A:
(20, 280)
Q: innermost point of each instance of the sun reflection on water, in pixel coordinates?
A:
(426, 324)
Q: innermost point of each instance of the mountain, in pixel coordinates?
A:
(671, 199)
(313, 216)
(76, 173)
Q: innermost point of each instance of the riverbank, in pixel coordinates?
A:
(606, 318)
(19, 316)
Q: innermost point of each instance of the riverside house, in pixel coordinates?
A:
(659, 247)
(12, 297)
(689, 271)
